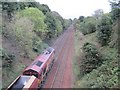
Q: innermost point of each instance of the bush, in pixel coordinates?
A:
(7, 58)
(92, 58)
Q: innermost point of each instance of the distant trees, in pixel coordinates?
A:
(87, 25)
(81, 18)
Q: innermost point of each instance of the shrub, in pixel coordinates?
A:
(92, 58)
(7, 58)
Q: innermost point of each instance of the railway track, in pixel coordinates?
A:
(58, 49)
(56, 83)
(62, 46)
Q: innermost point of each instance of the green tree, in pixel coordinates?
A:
(51, 25)
(81, 18)
(38, 18)
(9, 8)
(104, 30)
(88, 25)
(115, 6)
(59, 27)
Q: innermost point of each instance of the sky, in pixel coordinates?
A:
(75, 8)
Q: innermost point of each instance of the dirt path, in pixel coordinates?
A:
(61, 74)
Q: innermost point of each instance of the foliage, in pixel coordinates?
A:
(106, 76)
(22, 4)
(36, 16)
(59, 18)
(44, 8)
(81, 18)
(92, 58)
(51, 25)
(9, 8)
(7, 58)
(23, 34)
(67, 23)
(104, 29)
(58, 27)
(115, 10)
(88, 25)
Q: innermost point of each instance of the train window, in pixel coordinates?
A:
(39, 63)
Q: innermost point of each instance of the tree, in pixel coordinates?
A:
(9, 8)
(104, 30)
(38, 18)
(88, 25)
(51, 25)
(115, 10)
(81, 18)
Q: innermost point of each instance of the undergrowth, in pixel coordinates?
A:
(106, 75)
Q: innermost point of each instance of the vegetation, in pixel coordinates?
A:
(86, 25)
(104, 29)
(96, 60)
(91, 59)
(26, 27)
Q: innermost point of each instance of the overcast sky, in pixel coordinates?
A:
(75, 8)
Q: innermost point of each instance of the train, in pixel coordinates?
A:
(33, 76)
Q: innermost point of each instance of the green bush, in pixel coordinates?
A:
(92, 58)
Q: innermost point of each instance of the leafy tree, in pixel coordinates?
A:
(58, 27)
(67, 23)
(81, 18)
(44, 8)
(88, 25)
(38, 18)
(115, 5)
(58, 17)
(9, 8)
(104, 30)
(51, 24)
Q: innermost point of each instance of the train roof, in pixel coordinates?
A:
(40, 60)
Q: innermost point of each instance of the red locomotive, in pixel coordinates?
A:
(34, 75)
